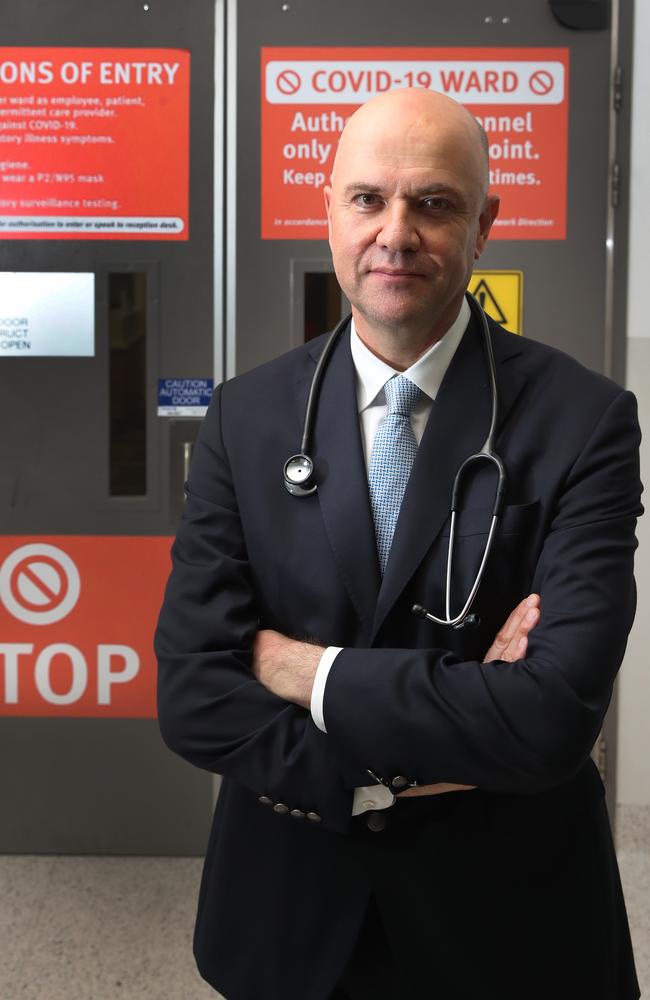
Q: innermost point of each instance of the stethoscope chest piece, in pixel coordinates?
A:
(299, 477)
(299, 473)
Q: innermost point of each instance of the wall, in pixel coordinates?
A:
(634, 686)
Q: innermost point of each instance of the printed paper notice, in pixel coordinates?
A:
(94, 143)
(47, 314)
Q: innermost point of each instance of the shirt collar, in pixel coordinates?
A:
(427, 372)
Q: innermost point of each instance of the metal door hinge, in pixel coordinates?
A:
(617, 95)
(616, 185)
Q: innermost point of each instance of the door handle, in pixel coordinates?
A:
(188, 448)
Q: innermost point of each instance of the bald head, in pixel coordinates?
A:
(414, 121)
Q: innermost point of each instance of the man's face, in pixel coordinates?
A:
(407, 218)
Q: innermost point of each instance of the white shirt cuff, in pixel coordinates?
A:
(371, 797)
(318, 690)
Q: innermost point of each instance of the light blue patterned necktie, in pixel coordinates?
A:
(393, 454)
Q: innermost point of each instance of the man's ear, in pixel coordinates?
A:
(486, 218)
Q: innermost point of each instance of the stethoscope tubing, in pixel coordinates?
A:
(300, 479)
(314, 389)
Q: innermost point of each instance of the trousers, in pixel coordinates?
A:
(371, 973)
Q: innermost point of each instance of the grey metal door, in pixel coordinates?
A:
(540, 75)
(91, 476)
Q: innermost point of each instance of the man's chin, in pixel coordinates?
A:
(396, 316)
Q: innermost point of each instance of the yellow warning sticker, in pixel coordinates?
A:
(501, 293)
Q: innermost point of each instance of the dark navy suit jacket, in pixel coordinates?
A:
(509, 891)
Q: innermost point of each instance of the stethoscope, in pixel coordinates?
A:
(300, 478)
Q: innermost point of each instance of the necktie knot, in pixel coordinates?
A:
(402, 395)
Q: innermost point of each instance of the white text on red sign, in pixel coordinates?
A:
(114, 664)
(474, 81)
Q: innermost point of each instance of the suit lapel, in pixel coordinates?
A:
(343, 487)
(457, 428)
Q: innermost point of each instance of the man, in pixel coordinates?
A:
(408, 810)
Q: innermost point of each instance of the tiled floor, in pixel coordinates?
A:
(90, 928)
(120, 928)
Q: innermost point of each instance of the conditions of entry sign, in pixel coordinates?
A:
(519, 95)
(81, 133)
(77, 614)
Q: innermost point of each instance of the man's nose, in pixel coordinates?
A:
(398, 231)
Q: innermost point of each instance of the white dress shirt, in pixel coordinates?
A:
(371, 375)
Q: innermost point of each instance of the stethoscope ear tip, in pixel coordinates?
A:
(470, 621)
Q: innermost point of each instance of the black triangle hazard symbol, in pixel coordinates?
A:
(485, 296)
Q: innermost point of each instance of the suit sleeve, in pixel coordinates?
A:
(212, 711)
(526, 726)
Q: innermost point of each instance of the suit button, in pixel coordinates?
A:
(297, 814)
(400, 783)
(314, 817)
(280, 807)
(265, 800)
(376, 822)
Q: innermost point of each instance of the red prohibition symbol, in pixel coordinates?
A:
(541, 82)
(39, 584)
(49, 589)
(288, 81)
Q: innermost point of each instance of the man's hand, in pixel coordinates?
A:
(510, 643)
(286, 666)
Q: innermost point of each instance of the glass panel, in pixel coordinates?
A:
(322, 303)
(127, 296)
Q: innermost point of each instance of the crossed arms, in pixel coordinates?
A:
(287, 667)
(513, 723)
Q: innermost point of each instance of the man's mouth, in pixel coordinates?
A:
(395, 272)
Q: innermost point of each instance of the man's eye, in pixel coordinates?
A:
(436, 203)
(365, 200)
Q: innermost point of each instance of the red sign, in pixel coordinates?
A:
(94, 143)
(520, 95)
(77, 616)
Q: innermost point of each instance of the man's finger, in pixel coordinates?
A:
(504, 635)
(437, 789)
(508, 643)
(515, 620)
